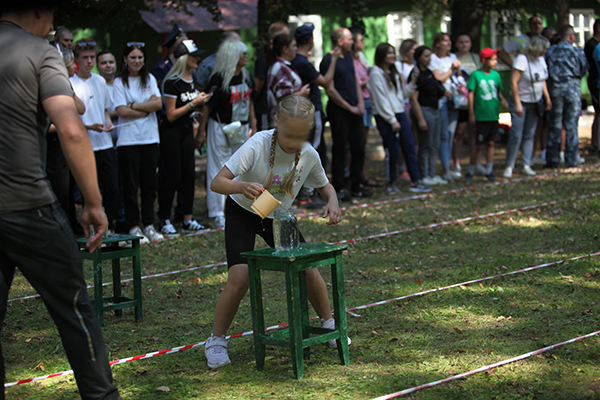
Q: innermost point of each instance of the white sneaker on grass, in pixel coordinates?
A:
(580, 160)
(151, 234)
(215, 350)
(137, 231)
(168, 229)
(330, 324)
(508, 172)
(419, 188)
(429, 181)
(218, 223)
(439, 180)
(448, 176)
(528, 171)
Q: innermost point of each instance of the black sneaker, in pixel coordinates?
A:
(491, 178)
(469, 177)
(362, 192)
(343, 196)
(551, 165)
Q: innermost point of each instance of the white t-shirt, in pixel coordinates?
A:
(251, 164)
(405, 69)
(539, 73)
(443, 64)
(136, 131)
(111, 93)
(93, 92)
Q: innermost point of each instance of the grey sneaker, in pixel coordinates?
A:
(138, 232)
(419, 188)
(392, 190)
(151, 234)
(330, 324)
(216, 352)
(218, 223)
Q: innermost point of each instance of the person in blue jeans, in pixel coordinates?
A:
(567, 64)
(388, 88)
(528, 85)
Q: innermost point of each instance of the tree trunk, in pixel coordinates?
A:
(467, 17)
(562, 13)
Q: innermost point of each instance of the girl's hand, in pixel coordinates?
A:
(423, 125)
(396, 127)
(252, 190)
(201, 99)
(304, 90)
(455, 65)
(200, 139)
(332, 209)
(519, 109)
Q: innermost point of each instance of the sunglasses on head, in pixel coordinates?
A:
(83, 44)
(136, 44)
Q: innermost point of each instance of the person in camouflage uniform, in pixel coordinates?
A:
(567, 64)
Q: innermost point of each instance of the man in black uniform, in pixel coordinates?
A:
(162, 67)
(34, 231)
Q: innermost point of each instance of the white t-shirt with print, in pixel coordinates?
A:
(443, 64)
(539, 73)
(251, 164)
(136, 131)
(93, 92)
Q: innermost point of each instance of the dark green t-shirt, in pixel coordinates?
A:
(486, 88)
(30, 71)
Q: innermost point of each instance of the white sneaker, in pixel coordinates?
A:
(562, 157)
(429, 181)
(479, 169)
(167, 228)
(151, 234)
(508, 172)
(439, 180)
(539, 160)
(456, 168)
(580, 160)
(330, 324)
(138, 232)
(448, 176)
(528, 171)
(218, 223)
(215, 350)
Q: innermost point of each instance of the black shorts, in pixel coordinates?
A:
(487, 131)
(241, 228)
(463, 116)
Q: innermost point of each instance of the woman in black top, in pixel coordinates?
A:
(424, 109)
(177, 137)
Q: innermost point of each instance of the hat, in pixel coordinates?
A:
(187, 47)
(487, 53)
(172, 37)
(304, 33)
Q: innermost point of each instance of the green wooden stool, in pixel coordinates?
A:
(112, 251)
(294, 264)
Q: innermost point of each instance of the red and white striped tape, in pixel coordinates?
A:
(520, 271)
(485, 368)
(361, 238)
(457, 221)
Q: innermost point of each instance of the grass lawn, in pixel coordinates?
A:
(395, 346)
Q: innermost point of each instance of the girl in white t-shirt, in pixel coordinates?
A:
(284, 160)
(528, 85)
(136, 99)
(443, 65)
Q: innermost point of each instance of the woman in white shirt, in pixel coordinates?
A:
(388, 89)
(137, 99)
(528, 85)
(443, 65)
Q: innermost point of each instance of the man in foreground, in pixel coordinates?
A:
(34, 231)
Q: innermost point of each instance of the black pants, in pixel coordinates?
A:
(57, 170)
(177, 153)
(347, 130)
(317, 137)
(107, 168)
(41, 243)
(138, 168)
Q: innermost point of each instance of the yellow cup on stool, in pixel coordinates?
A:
(264, 204)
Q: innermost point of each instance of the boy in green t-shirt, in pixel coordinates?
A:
(485, 88)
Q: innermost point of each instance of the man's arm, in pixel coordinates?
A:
(80, 157)
(505, 57)
(335, 96)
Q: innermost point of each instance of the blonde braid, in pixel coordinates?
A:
(289, 182)
(269, 178)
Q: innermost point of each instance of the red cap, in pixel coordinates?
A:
(487, 53)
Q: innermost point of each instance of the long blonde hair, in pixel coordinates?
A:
(227, 60)
(177, 72)
(292, 107)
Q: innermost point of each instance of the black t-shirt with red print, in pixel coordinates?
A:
(234, 104)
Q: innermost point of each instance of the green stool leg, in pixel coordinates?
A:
(258, 318)
(137, 279)
(339, 304)
(98, 296)
(304, 308)
(295, 320)
(116, 276)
